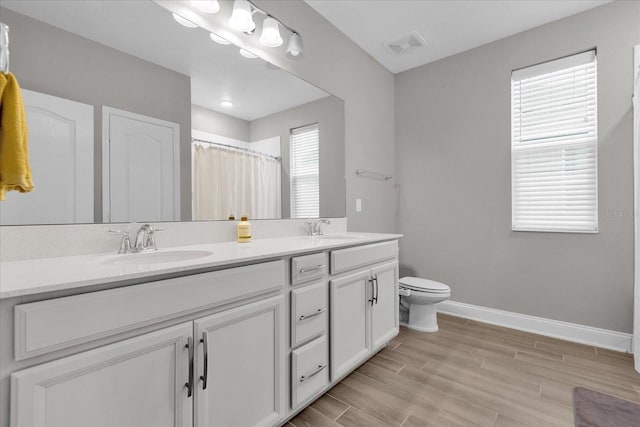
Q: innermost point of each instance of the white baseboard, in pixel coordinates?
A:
(612, 340)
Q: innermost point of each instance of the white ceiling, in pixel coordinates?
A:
(148, 31)
(449, 27)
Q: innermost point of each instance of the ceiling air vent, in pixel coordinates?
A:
(407, 43)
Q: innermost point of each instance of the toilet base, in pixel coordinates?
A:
(423, 317)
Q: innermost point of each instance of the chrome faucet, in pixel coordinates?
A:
(146, 239)
(318, 226)
(315, 228)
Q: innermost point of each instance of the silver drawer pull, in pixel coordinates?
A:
(308, 270)
(314, 373)
(309, 316)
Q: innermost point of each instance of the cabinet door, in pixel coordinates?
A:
(350, 343)
(243, 351)
(137, 382)
(384, 311)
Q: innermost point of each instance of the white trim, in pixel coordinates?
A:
(554, 65)
(618, 341)
(107, 112)
(636, 180)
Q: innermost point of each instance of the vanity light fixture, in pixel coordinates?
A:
(242, 16)
(270, 33)
(242, 20)
(184, 21)
(216, 38)
(226, 103)
(206, 6)
(294, 48)
(247, 54)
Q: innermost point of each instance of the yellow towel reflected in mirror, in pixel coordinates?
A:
(15, 173)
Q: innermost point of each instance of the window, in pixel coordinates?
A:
(305, 172)
(554, 146)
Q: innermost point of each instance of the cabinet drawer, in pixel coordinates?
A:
(308, 267)
(308, 313)
(350, 258)
(58, 323)
(309, 371)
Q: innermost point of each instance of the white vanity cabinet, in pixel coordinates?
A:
(364, 304)
(248, 345)
(309, 361)
(136, 382)
(241, 365)
(225, 369)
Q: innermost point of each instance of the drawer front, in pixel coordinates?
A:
(45, 326)
(309, 308)
(309, 371)
(308, 267)
(359, 256)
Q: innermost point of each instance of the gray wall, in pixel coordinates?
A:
(453, 162)
(329, 114)
(218, 123)
(52, 61)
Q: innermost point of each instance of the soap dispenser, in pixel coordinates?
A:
(244, 230)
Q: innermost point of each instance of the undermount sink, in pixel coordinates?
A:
(338, 237)
(159, 257)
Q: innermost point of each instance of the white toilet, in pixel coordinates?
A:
(418, 299)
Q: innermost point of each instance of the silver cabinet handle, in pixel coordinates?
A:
(189, 383)
(375, 279)
(372, 291)
(309, 316)
(205, 366)
(314, 373)
(308, 270)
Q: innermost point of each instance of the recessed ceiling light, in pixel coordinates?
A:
(206, 6)
(247, 54)
(216, 38)
(226, 103)
(184, 21)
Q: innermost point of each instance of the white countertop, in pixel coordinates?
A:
(29, 277)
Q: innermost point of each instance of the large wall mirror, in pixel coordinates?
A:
(134, 117)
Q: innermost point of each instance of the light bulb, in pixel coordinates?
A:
(241, 17)
(270, 33)
(294, 48)
(206, 6)
(216, 38)
(247, 54)
(184, 21)
(226, 103)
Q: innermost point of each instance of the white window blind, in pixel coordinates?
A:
(304, 173)
(554, 146)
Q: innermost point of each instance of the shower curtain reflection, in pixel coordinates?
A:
(234, 182)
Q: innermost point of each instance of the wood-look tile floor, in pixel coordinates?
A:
(471, 374)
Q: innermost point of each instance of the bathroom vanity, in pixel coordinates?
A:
(223, 334)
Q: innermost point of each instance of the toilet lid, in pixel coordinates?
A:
(419, 284)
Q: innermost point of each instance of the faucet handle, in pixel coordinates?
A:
(125, 243)
(151, 242)
(310, 228)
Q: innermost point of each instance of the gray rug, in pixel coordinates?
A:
(595, 409)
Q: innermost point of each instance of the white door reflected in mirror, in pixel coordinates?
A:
(141, 164)
(61, 157)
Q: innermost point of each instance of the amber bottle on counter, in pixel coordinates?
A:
(244, 230)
